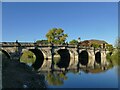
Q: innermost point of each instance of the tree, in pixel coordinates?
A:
(115, 53)
(56, 36)
(42, 41)
(74, 42)
(117, 42)
(95, 45)
(109, 47)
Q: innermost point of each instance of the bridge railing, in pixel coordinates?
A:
(31, 44)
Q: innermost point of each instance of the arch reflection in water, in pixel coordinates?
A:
(64, 59)
(57, 78)
(98, 57)
(83, 58)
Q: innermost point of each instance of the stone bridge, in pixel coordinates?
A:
(70, 55)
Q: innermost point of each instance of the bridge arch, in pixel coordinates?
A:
(39, 58)
(64, 58)
(72, 53)
(6, 53)
(45, 53)
(84, 57)
(98, 57)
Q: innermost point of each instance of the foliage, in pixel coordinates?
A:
(56, 36)
(56, 78)
(115, 57)
(108, 56)
(115, 53)
(117, 43)
(42, 41)
(95, 45)
(74, 42)
(109, 47)
(62, 76)
(28, 57)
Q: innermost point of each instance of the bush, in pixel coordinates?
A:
(115, 58)
(108, 56)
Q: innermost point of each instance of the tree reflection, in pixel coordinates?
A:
(56, 78)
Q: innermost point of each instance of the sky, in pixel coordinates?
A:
(30, 21)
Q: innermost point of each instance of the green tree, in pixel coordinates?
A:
(56, 36)
(115, 54)
(42, 41)
(74, 42)
(109, 47)
(117, 42)
(95, 45)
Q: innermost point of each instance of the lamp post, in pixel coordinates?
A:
(78, 53)
(79, 39)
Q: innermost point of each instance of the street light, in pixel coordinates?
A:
(79, 40)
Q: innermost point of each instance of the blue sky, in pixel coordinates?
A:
(25, 21)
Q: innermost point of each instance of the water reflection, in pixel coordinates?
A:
(69, 71)
(56, 78)
(59, 78)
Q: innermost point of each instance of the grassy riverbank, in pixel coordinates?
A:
(114, 58)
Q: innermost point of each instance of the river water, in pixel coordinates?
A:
(82, 78)
(98, 76)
